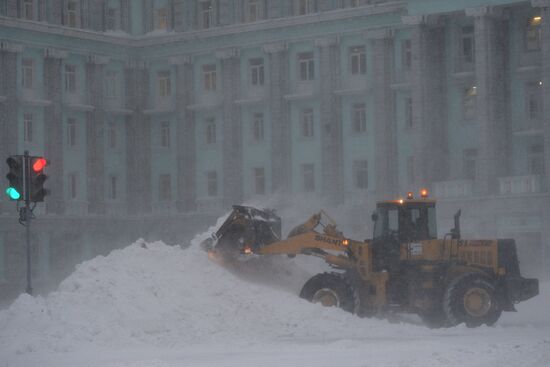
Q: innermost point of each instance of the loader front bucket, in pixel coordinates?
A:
(245, 228)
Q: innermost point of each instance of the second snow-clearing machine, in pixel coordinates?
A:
(403, 268)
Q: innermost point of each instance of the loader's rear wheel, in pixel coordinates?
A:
(330, 290)
(471, 299)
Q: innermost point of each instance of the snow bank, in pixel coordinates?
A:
(154, 294)
(160, 296)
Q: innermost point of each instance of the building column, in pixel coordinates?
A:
(56, 11)
(281, 169)
(125, 16)
(53, 123)
(95, 135)
(429, 106)
(384, 129)
(8, 111)
(13, 9)
(148, 16)
(232, 152)
(138, 139)
(185, 135)
(490, 70)
(544, 6)
(332, 184)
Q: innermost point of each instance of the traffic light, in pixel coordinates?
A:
(37, 192)
(15, 178)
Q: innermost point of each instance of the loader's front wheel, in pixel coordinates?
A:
(330, 290)
(471, 299)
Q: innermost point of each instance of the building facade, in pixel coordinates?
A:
(155, 113)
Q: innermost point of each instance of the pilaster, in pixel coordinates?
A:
(95, 128)
(281, 172)
(138, 140)
(429, 106)
(232, 160)
(545, 51)
(185, 135)
(125, 16)
(331, 123)
(8, 110)
(385, 161)
(490, 69)
(53, 126)
(55, 12)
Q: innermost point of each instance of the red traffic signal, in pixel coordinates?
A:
(39, 164)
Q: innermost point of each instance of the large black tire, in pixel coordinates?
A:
(471, 299)
(330, 289)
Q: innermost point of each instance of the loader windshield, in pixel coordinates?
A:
(405, 222)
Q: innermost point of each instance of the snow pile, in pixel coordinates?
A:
(154, 294)
(150, 295)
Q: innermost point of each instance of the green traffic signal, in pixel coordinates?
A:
(13, 193)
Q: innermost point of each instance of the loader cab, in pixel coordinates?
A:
(397, 222)
(406, 221)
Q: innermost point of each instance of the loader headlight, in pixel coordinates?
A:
(247, 250)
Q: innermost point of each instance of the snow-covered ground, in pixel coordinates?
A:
(155, 305)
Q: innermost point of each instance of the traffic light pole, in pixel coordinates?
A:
(27, 216)
(26, 180)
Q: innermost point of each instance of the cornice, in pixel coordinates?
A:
(160, 39)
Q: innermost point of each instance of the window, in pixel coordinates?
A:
(73, 185)
(359, 118)
(111, 84)
(469, 104)
(409, 112)
(259, 180)
(209, 77)
(308, 176)
(72, 9)
(113, 187)
(165, 87)
(27, 127)
(256, 71)
(306, 66)
(533, 33)
(112, 19)
(533, 100)
(210, 130)
(469, 163)
(161, 18)
(303, 7)
(358, 60)
(112, 135)
(410, 170)
(360, 174)
(165, 134)
(258, 127)
(206, 14)
(536, 159)
(70, 78)
(406, 55)
(165, 187)
(467, 45)
(27, 73)
(71, 132)
(306, 120)
(254, 10)
(28, 9)
(212, 183)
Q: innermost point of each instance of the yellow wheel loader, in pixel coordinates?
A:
(403, 268)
